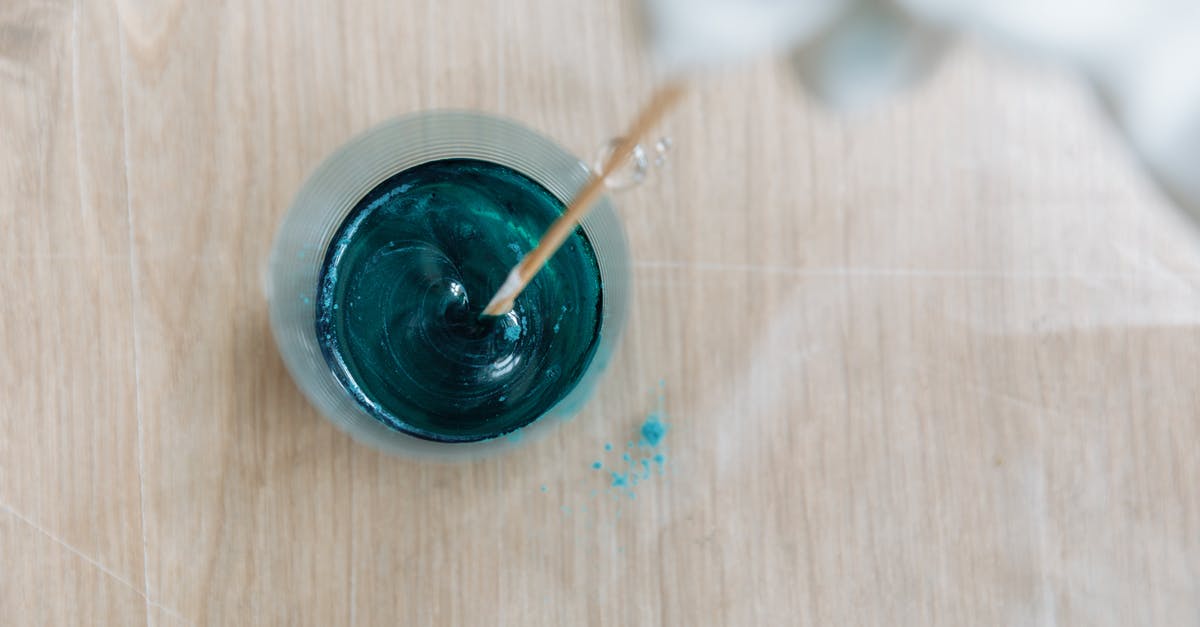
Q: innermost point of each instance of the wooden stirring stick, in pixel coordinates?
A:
(521, 274)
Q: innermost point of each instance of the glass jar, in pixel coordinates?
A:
(334, 189)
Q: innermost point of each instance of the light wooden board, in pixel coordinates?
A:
(955, 383)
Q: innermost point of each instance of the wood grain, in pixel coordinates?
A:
(932, 363)
(71, 544)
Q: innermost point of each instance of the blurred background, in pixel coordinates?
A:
(926, 342)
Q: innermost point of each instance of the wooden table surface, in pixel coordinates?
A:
(932, 363)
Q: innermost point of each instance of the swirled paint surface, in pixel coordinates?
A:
(403, 283)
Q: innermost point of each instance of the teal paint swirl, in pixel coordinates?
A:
(404, 281)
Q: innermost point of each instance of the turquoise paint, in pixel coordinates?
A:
(558, 322)
(402, 286)
(597, 465)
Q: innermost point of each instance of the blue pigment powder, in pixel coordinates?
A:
(653, 430)
(403, 284)
(640, 464)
